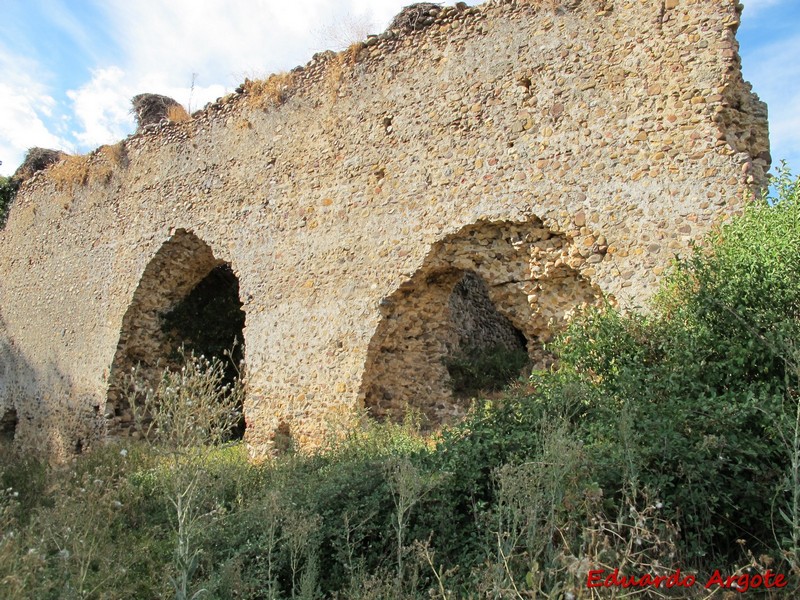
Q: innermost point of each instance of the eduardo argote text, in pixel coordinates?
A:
(600, 578)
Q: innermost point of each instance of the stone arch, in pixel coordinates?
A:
(186, 296)
(8, 426)
(489, 284)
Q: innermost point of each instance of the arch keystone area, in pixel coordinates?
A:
(387, 211)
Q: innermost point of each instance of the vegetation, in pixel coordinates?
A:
(664, 441)
(8, 189)
(477, 369)
(84, 169)
(272, 91)
(177, 114)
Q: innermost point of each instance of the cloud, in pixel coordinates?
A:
(754, 7)
(196, 53)
(99, 108)
(777, 81)
(25, 105)
(223, 40)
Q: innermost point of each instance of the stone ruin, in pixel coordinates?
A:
(366, 219)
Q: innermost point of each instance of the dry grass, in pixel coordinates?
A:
(353, 51)
(275, 89)
(71, 171)
(272, 91)
(177, 114)
(335, 68)
(97, 167)
(333, 75)
(344, 31)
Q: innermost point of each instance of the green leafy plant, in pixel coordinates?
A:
(479, 370)
(8, 190)
(187, 413)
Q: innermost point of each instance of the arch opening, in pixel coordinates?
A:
(473, 319)
(490, 353)
(8, 426)
(187, 300)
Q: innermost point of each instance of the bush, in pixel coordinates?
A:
(685, 401)
(8, 190)
(480, 370)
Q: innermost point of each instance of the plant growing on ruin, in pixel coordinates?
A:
(272, 91)
(177, 114)
(8, 189)
(84, 169)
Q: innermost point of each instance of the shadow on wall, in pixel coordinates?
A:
(53, 426)
(185, 297)
(479, 310)
(10, 365)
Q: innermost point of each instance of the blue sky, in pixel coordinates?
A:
(68, 68)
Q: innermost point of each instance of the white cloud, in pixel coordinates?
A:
(216, 43)
(753, 7)
(99, 107)
(776, 80)
(224, 40)
(25, 103)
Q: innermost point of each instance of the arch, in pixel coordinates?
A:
(490, 286)
(8, 426)
(186, 296)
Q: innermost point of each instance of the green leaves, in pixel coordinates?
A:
(685, 399)
(8, 190)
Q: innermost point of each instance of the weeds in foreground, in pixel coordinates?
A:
(189, 412)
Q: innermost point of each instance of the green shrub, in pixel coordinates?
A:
(685, 401)
(477, 370)
(8, 190)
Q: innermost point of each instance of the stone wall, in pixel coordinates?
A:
(554, 149)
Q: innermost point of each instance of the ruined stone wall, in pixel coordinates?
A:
(555, 149)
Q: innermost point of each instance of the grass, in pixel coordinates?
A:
(177, 114)
(276, 89)
(269, 92)
(359, 520)
(80, 170)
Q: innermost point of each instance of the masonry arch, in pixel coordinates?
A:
(8, 426)
(186, 297)
(491, 289)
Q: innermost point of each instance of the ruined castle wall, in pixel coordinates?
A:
(617, 131)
